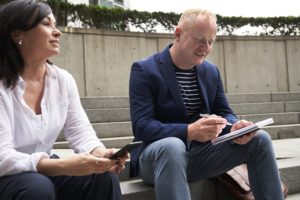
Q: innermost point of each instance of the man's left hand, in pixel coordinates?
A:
(245, 138)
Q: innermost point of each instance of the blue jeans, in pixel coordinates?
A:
(169, 166)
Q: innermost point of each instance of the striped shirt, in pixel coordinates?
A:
(188, 84)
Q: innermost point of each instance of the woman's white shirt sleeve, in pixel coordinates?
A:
(78, 130)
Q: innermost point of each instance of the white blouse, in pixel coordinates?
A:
(25, 137)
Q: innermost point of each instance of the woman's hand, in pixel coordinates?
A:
(120, 161)
(106, 153)
(76, 165)
(85, 164)
(96, 162)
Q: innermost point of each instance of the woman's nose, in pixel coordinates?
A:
(57, 32)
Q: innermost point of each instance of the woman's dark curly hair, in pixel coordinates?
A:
(17, 15)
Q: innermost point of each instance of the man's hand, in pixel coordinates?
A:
(245, 138)
(206, 129)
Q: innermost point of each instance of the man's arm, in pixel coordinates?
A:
(221, 106)
(142, 109)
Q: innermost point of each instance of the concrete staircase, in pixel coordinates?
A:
(111, 119)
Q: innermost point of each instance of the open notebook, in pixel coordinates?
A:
(242, 131)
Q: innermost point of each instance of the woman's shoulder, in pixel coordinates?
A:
(58, 72)
(3, 88)
(5, 93)
(65, 79)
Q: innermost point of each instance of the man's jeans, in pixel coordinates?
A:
(169, 166)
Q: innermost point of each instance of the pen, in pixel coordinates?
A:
(208, 115)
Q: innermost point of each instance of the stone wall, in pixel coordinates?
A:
(100, 61)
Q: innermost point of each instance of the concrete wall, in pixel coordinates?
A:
(100, 61)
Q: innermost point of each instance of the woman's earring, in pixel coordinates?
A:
(20, 42)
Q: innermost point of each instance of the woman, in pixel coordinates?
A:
(37, 101)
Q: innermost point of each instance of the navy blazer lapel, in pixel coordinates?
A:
(167, 69)
(202, 81)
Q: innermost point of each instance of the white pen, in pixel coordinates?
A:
(208, 115)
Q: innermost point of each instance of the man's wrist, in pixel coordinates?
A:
(190, 131)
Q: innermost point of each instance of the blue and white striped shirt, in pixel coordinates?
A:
(188, 84)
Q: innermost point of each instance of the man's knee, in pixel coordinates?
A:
(173, 147)
(171, 154)
(262, 140)
(263, 137)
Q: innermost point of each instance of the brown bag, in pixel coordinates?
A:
(236, 181)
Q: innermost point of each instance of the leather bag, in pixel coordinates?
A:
(236, 182)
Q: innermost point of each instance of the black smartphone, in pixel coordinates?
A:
(126, 149)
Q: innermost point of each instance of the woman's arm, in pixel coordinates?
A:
(77, 165)
(78, 129)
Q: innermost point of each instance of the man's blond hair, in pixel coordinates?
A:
(188, 17)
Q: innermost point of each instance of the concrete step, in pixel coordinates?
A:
(263, 97)
(108, 115)
(284, 149)
(292, 106)
(249, 98)
(279, 118)
(288, 155)
(283, 131)
(105, 102)
(285, 96)
(294, 197)
(110, 118)
(115, 142)
(123, 102)
(209, 190)
(109, 130)
(287, 148)
(112, 130)
(258, 108)
(116, 109)
(266, 107)
(290, 173)
(116, 134)
(269, 109)
(204, 189)
(287, 152)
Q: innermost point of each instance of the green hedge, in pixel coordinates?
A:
(132, 20)
(111, 18)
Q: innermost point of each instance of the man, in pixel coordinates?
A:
(168, 92)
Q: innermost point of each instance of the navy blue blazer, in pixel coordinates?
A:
(156, 105)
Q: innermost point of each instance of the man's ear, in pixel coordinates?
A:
(17, 37)
(177, 33)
